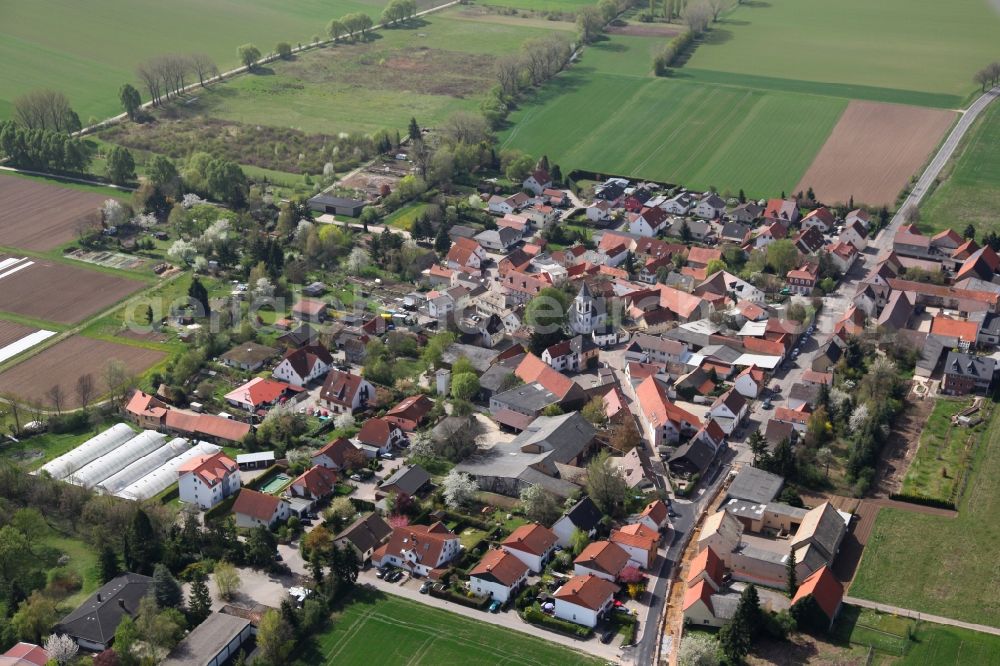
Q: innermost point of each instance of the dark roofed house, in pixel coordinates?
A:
(93, 624)
(326, 203)
(407, 480)
(583, 516)
(966, 373)
(777, 431)
(365, 535)
(249, 356)
(213, 642)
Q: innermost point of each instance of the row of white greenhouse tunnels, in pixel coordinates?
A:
(125, 464)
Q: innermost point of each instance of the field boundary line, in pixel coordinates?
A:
(920, 616)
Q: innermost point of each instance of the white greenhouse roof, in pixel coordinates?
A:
(114, 461)
(144, 466)
(93, 448)
(160, 479)
(760, 360)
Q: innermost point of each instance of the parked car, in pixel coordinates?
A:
(355, 477)
(426, 587)
(608, 636)
(387, 456)
(381, 573)
(767, 404)
(495, 607)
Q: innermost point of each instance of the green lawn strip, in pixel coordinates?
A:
(404, 217)
(940, 565)
(969, 193)
(870, 93)
(898, 44)
(941, 459)
(82, 560)
(541, 5)
(33, 322)
(63, 182)
(377, 628)
(58, 257)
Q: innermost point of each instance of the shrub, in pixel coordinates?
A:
(671, 51)
(533, 615)
(63, 581)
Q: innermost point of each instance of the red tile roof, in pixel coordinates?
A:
(259, 391)
(211, 469)
(500, 566)
(206, 425)
(824, 587)
(23, 654)
(533, 369)
(603, 556)
(426, 542)
(309, 306)
(658, 408)
(587, 591)
(340, 388)
(657, 510)
(822, 214)
(304, 359)
(256, 505)
(337, 450)
(410, 412)
(319, 481)
(708, 562)
(376, 432)
(634, 538)
(532, 538)
(700, 256)
(700, 591)
(966, 331)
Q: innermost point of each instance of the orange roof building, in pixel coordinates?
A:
(603, 559)
(825, 589)
(498, 575)
(208, 479)
(533, 544)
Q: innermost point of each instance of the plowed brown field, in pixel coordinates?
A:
(60, 292)
(873, 151)
(11, 332)
(68, 360)
(39, 216)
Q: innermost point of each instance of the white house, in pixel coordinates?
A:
(253, 509)
(821, 219)
(533, 544)
(599, 211)
(648, 223)
(584, 516)
(538, 181)
(661, 420)
(729, 410)
(207, 480)
(440, 304)
(499, 575)
(710, 207)
(680, 204)
(344, 392)
(304, 365)
(639, 541)
(418, 548)
(584, 599)
(655, 515)
(749, 382)
(465, 254)
(337, 454)
(855, 234)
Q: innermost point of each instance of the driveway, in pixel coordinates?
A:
(410, 589)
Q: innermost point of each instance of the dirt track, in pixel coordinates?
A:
(68, 360)
(873, 151)
(38, 216)
(60, 292)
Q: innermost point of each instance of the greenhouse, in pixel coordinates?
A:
(160, 479)
(92, 449)
(143, 466)
(114, 461)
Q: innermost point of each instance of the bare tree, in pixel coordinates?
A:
(204, 67)
(85, 390)
(14, 411)
(911, 215)
(697, 16)
(508, 70)
(118, 380)
(717, 7)
(465, 127)
(46, 110)
(56, 396)
(147, 73)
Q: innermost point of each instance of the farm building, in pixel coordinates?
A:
(143, 466)
(325, 203)
(113, 462)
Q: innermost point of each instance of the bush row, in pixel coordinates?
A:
(448, 594)
(534, 615)
(925, 501)
(671, 51)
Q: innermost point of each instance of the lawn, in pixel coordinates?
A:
(907, 45)
(89, 49)
(931, 644)
(541, 5)
(33, 452)
(675, 131)
(969, 195)
(939, 565)
(375, 628)
(941, 460)
(404, 217)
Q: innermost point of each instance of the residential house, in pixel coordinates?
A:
(304, 365)
(315, 484)
(584, 599)
(843, 255)
(541, 216)
(499, 576)
(809, 241)
(700, 257)
(573, 355)
(94, 622)
(345, 393)
(465, 254)
(602, 559)
(260, 394)
(734, 232)
(253, 509)
(696, 229)
(533, 544)
(803, 279)
(679, 204)
(649, 222)
(828, 355)
(583, 516)
(538, 181)
(661, 420)
(960, 333)
(856, 235)
(599, 211)
(747, 212)
(498, 240)
(784, 211)
(655, 515)
(556, 197)
(910, 242)
(507, 205)
(803, 394)
(821, 219)
(750, 382)
(407, 480)
(420, 549)
(729, 410)
(711, 206)
(724, 283)
(965, 374)
(309, 309)
(639, 542)
(248, 357)
(25, 654)
(858, 215)
(364, 535)
(695, 455)
(798, 417)
(410, 413)
(338, 454)
(533, 369)
(772, 232)
(380, 436)
(207, 480)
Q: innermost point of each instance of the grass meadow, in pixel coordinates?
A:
(541, 5)
(376, 628)
(89, 49)
(941, 461)
(970, 191)
(939, 565)
(675, 131)
(905, 45)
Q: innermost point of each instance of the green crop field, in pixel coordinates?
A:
(541, 5)
(675, 131)
(89, 49)
(970, 193)
(939, 565)
(379, 629)
(941, 461)
(900, 44)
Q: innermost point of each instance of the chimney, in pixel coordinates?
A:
(99, 597)
(121, 602)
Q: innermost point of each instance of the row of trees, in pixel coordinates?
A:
(538, 61)
(46, 110)
(350, 25)
(988, 76)
(165, 76)
(42, 149)
(399, 11)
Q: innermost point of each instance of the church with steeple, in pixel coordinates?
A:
(588, 313)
